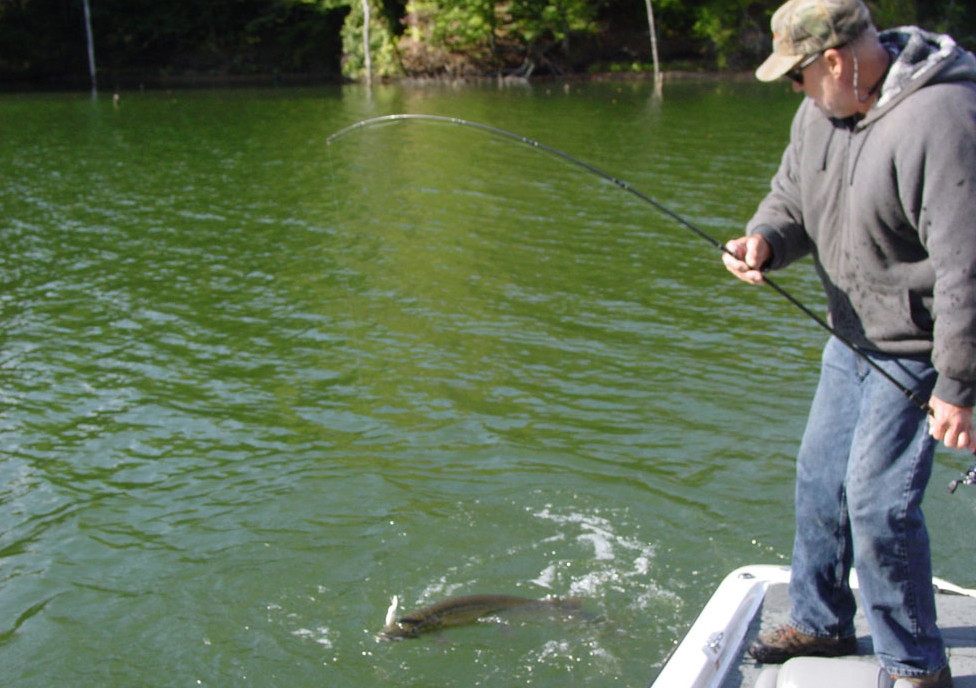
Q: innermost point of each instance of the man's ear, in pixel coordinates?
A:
(835, 60)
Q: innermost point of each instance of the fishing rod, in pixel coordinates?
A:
(968, 478)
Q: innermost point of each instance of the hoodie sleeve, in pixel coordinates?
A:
(779, 218)
(937, 182)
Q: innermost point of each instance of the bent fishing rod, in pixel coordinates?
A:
(968, 478)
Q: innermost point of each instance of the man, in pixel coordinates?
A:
(878, 184)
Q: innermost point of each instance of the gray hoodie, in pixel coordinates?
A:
(887, 208)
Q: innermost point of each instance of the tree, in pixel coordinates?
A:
(653, 32)
(459, 37)
(367, 59)
(377, 58)
(137, 41)
(90, 41)
(735, 31)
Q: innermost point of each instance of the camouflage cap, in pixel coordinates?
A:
(805, 27)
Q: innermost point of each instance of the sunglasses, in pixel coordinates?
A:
(796, 74)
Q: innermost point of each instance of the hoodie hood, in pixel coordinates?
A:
(920, 58)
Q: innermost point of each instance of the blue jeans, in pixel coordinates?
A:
(862, 469)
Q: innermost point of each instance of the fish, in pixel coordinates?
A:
(463, 610)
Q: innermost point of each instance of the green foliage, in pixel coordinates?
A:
(483, 35)
(457, 25)
(382, 44)
(735, 32)
(711, 24)
(890, 13)
(44, 40)
(558, 19)
(951, 16)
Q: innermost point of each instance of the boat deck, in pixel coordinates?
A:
(756, 598)
(957, 619)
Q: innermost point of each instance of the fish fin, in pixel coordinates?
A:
(392, 611)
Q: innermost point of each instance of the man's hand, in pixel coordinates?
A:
(746, 256)
(952, 424)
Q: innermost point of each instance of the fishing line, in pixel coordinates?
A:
(968, 478)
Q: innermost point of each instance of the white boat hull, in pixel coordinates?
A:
(711, 655)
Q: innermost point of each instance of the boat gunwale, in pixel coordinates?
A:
(711, 646)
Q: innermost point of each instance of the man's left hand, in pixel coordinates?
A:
(952, 425)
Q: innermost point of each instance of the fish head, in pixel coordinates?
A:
(394, 628)
(399, 629)
(392, 611)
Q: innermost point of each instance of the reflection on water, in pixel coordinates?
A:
(252, 385)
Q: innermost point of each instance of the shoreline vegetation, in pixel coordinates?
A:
(157, 82)
(123, 45)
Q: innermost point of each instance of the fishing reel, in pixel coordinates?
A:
(968, 478)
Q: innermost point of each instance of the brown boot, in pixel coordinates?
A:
(780, 644)
(940, 679)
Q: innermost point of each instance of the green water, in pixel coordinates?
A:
(252, 385)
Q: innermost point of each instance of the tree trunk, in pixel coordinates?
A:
(91, 49)
(366, 56)
(657, 70)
